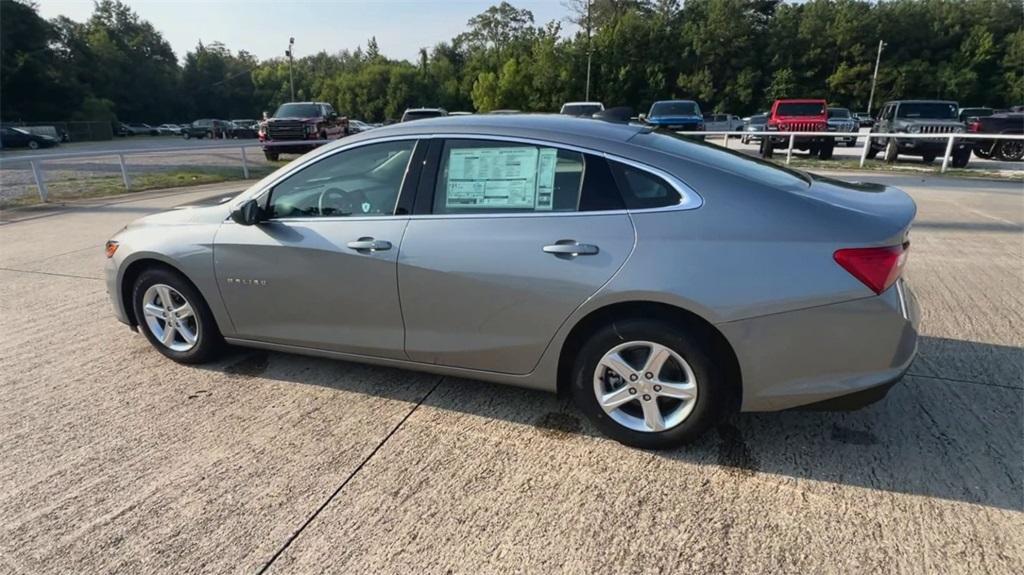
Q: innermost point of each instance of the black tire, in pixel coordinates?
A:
(271, 156)
(209, 342)
(961, 158)
(186, 135)
(766, 148)
(928, 158)
(812, 150)
(872, 151)
(209, 135)
(983, 153)
(1010, 150)
(33, 145)
(825, 151)
(892, 152)
(713, 395)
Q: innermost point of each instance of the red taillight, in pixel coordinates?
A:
(877, 268)
(974, 126)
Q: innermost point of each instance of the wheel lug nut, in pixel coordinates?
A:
(633, 377)
(649, 375)
(647, 397)
(657, 388)
(632, 391)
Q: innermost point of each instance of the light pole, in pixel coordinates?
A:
(874, 78)
(590, 52)
(291, 79)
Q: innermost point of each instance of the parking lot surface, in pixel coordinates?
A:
(118, 460)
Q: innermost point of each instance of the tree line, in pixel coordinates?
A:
(730, 55)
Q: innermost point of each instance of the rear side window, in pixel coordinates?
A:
(642, 189)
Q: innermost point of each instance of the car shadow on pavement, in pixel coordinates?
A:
(951, 429)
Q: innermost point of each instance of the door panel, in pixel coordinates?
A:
(481, 292)
(299, 283)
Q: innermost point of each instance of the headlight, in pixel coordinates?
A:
(914, 129)
(310, 128)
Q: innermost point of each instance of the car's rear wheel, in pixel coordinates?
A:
(271, 156)
(825, 151)
(1010, 150)
(174, 317)
(186, 135)
(961, 158)
(648, 384)
(33, 145)
(928, 158)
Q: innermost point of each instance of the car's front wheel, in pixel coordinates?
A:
(174, 317)
(33, 145)
(648, 384)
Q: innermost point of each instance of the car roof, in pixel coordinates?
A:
(424, 109)
(801, 100)
(555, 128)
(923, 102)
(590, 103)
(674, 100)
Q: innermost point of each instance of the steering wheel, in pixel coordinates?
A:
(345, 202)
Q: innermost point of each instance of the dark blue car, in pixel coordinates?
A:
(676, 115)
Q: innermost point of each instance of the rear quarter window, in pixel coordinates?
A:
(722, 159)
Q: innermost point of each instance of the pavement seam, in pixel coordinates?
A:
(355, 471)
(954, 380)
(56, 274)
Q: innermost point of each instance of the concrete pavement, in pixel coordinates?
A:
(118, 460)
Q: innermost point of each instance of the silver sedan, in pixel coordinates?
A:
(662, 283)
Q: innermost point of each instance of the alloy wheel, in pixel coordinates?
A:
(645, 386)
(170, 317)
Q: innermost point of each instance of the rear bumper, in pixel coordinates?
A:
(838, 356)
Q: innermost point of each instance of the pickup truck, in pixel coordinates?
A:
(295, 127)
(206, 128)
(1006, 123)
(799, 115)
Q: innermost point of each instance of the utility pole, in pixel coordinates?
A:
(874, 78)
(590, 52)
(291, 79)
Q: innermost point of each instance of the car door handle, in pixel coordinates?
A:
(571, 248)
(369, 244)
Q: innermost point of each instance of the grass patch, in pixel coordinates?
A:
(910, 168)
(104, 186)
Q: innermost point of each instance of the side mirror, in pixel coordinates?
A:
(246, 214)
(642, 117)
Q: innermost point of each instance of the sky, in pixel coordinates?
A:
(263, 27)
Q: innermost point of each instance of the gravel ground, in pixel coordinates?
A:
(117, 460)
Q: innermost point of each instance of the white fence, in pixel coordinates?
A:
(950, 138)
(36, 161)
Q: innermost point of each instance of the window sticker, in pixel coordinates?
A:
(500, 178)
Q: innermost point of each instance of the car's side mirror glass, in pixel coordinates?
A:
(247, 214)
(643, 117)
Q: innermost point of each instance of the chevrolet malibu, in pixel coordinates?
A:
(662, 283)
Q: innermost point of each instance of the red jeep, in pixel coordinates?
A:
(295, 125)
(799, 115)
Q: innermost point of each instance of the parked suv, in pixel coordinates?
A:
(296, 125)
(675, 115)
(1010, 123)
(206, 128)
(803, 115)
(841, 120)
(920, 117)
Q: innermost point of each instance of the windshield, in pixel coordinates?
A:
(838, 113)
(934, 110)
(420, 114)
(675, 109)
(581, 109)
(759, 119)
(800, 109)
(297, 111)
